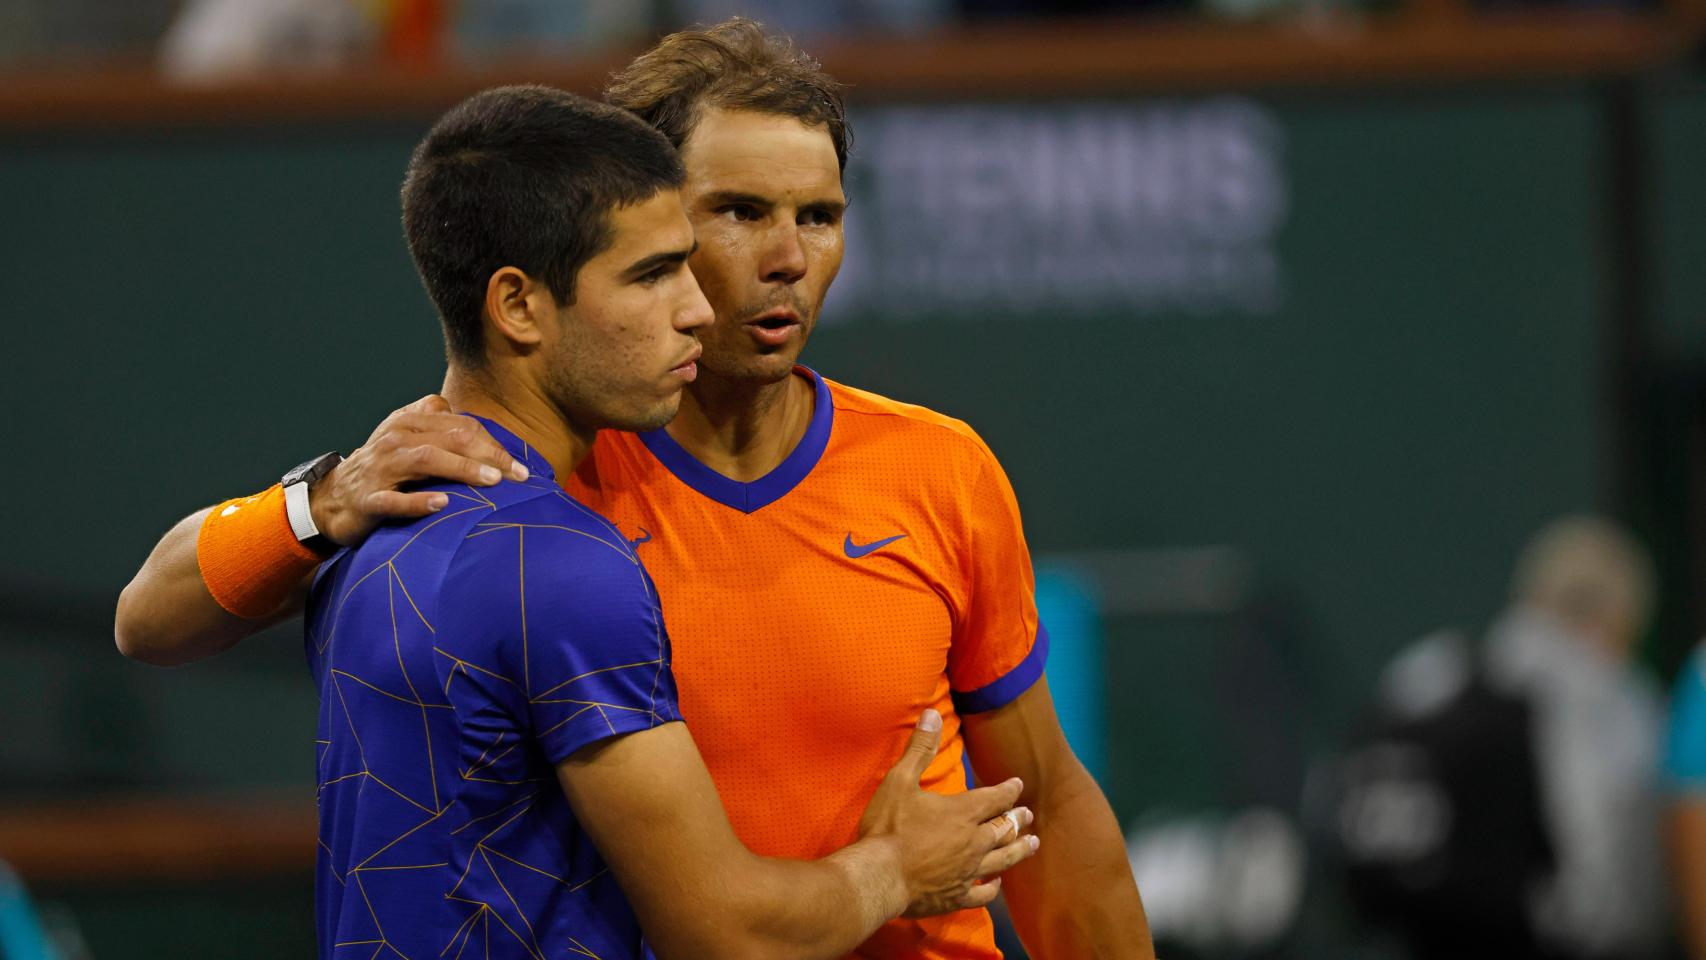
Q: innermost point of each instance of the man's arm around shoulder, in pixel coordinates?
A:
(168, 614)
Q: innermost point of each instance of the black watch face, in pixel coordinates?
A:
(312, 470)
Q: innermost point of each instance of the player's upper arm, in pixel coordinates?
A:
(651, 808)
(999, 646)
(559, 628)
(1022, 738)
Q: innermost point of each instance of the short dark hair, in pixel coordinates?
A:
(527, 177)
(735, 64)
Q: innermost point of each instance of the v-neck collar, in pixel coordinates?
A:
(751, 496)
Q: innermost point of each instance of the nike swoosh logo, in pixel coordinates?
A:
(854, 550)
(639, 540)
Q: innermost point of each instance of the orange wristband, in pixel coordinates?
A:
(249, 557)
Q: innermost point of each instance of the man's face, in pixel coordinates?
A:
(764, 194)
(621, 353)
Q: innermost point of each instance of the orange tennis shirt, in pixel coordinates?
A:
(817, 611)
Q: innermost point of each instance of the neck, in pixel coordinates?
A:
(743, 429)
(523, 410)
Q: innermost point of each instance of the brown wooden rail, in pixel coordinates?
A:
(1430, 42)
(150, 838)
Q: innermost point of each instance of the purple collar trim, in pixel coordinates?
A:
(773, 486)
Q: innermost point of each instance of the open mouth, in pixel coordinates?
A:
(774, 327)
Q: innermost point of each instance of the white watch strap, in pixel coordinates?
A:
(296, 508)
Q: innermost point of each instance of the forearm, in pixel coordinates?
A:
(765, 908)
(167, 616)
(1076, 899)
(649, 804)
(824, 908)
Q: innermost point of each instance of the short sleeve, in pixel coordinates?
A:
(570, 622)
(1685, 748)
(999, 645)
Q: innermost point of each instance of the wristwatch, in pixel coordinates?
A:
(297, 483)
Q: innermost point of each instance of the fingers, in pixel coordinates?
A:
(429, 422)
(429, 462)
(464, 436)
(1008, 826)
(385, 504)
(1007, 856)
(471, 440)
(981, 895)
(987, 802)
(920, 749)
(466, 454)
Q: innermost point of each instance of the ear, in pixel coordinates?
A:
(519, 310)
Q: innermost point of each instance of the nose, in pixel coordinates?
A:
(695, 311)
(785, 261)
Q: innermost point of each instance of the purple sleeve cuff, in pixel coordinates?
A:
(562, 743)
(1005, 690)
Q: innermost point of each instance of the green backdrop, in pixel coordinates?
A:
(192, 311)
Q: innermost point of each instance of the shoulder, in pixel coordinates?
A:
(485, 529)
(552, 562)
(538, 523)
(429, 554)
(861, 412)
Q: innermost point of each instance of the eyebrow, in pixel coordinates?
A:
(646, 265)
(723, 198)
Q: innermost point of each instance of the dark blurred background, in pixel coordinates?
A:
(1291, 320)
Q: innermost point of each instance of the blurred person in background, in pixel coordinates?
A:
(213, 40)
(1504, 800)
(824, 554)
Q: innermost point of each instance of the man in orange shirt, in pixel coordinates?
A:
(822, 553)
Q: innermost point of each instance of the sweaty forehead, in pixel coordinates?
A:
(763, 154)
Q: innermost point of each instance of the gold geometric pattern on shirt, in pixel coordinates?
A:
(481, 918)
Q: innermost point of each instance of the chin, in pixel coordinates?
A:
(765, 368)
(653, 419)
